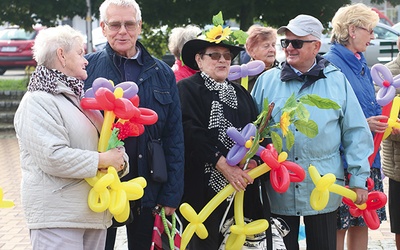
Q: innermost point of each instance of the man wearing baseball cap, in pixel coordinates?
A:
(303, 73)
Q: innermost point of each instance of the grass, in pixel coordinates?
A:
(12, 84)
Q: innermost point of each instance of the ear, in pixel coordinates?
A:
(103, 28)
(351, 30)
(61, 56)
(198, 60)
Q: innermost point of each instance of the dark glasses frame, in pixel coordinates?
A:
(296, 43)
(217, 55)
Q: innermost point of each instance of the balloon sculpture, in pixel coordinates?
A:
(388, 84)
(120, 102)
(243, 71)
(5, 203)
(324, 185)
(244, 142)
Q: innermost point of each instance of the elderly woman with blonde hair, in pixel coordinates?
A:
(353, 30)
(179, 36)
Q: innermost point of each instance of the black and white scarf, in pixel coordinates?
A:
(44, 79)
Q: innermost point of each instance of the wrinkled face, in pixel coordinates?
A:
(302, 58)
(122, 29)
(217, 69)
(264, 51)
(360, 38)
(75, 63)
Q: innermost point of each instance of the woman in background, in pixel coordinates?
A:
(353, 30)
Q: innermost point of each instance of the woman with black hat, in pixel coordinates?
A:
(210, 105)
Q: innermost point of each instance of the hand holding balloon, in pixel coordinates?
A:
(320, 196)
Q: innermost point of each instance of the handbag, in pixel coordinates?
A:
(166, 235)
(156, 161)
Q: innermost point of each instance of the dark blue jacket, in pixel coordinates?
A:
(157, 91)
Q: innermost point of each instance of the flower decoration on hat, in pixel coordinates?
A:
(218, 33)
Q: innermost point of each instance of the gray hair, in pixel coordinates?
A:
(49, 40)
(179, 36)
(125, 3)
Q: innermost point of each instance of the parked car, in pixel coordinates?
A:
(16, 48)
(382, 49)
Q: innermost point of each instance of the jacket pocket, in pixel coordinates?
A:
(162, 96)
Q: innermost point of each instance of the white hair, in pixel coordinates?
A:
(125, 3)
(49, 40)
(179, 36)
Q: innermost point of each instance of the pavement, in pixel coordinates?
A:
(14, 234)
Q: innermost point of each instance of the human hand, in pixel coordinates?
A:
(238, 178)
(114, 158)
(362, 195)
(168, 210)
(396, 131)
(375, 124)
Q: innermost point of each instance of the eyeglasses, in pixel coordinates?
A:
(217, 55)
(367, 30)
(296, 43)
(115, 26)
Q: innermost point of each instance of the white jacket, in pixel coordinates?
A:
(58, 149)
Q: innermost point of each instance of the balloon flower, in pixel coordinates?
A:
(243, 142)
(324, 185)
(5, 203)
(282, 171)
(388, 84)
(243, 71)
(238, 231)
(120, 102)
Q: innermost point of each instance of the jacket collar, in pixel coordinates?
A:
(356, 65)
(316, 73)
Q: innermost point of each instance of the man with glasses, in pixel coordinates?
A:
(125, 59)
(305, 72)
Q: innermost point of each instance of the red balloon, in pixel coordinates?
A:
(297, 173)
(124, 109)
(279, 179)
(90, 103)
(105, 98)
(146, 117)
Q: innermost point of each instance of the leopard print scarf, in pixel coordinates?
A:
(44, 79)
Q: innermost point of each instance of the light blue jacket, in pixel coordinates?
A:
(346, 126)
(359, 76)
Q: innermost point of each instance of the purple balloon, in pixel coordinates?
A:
(130, 89)
(238, 151)
(250, 69)
(382, 77)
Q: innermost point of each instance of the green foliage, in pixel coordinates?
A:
(155, 40)
(12, 84)
(293, 112)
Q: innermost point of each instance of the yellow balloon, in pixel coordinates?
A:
(105, 133)
(99, 201)
(103, 182)
(117, 201)
(323, 186)
(392, 121)
(5, 203)
(124, 215)
(196, 220)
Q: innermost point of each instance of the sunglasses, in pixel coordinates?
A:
(115, 26)
(217, 55)
(296, 43)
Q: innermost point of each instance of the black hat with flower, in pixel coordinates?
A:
(215, 36)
